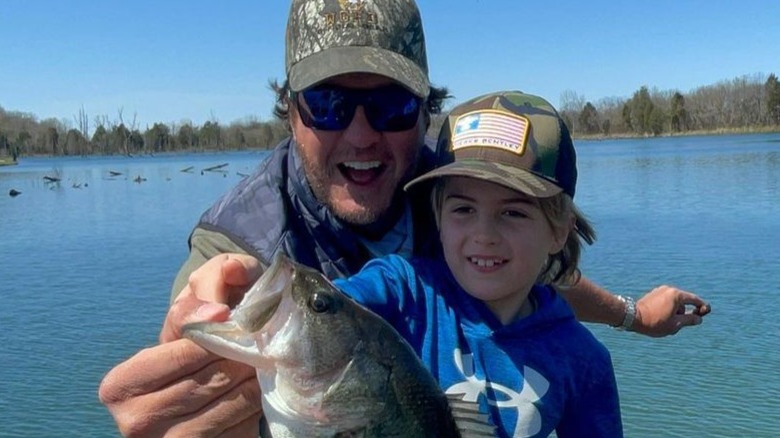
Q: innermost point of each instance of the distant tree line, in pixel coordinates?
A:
(22, 134)
(747, 103)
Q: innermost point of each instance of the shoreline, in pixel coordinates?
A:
(722, 131)
(7, 161)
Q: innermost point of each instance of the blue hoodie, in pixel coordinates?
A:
(542, 373)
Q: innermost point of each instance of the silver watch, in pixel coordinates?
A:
(628, 319)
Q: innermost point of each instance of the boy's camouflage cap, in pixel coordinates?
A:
(510, 138)
(326, 38)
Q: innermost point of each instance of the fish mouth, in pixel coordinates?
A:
(262, 300)
(237, 338)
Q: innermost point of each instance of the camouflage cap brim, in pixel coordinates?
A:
(335, 61)
(508, 176)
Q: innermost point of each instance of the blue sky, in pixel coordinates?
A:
(197, 60)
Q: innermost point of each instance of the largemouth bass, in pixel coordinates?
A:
(328, 366)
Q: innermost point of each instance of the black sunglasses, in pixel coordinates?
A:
(326, 107)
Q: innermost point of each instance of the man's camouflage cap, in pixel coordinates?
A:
(510, 138)
(326, 38)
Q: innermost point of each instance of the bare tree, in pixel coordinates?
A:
(82, 122)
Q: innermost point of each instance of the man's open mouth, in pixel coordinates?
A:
(361, 172)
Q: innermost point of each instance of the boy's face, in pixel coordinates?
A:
(356, 171)
(496, 241)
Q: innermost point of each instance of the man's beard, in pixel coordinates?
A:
(371, 211)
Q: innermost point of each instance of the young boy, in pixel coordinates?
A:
(486, 318)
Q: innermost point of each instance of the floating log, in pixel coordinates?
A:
(14, 193)
(51, 178)
(213, 168)
(114, 173)
(139, 179)
(188, 169)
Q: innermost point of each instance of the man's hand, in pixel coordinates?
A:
(179, 389)
(663, 311)
(660, 312)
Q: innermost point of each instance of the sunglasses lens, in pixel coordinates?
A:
(392, 109)
(326, 109)
(329, 108)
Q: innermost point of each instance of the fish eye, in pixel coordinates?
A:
(320, 303)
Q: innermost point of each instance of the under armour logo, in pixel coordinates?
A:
(535, 386)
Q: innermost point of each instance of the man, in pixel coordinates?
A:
(358, 102)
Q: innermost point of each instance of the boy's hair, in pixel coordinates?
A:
(562, 268)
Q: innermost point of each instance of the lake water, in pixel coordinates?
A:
(86, 266)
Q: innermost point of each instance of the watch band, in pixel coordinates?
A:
(628, 319)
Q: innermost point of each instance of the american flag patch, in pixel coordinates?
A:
(491, 128)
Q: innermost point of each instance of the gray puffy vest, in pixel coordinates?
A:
(274, 210)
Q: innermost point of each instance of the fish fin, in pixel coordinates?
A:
(471, 422)
(226, 339)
